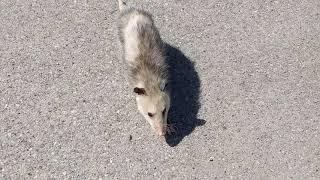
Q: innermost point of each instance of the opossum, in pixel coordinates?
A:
(144, 52)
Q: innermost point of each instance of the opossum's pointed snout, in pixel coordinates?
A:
(162, 131)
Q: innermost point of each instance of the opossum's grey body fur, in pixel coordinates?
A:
(144, 52)
(149, 65)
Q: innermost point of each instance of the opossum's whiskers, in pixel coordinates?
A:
(171, 128)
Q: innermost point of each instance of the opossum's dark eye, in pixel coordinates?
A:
(165, 86)
(164, 112)
(150, 114)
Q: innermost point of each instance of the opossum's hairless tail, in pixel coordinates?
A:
(122, 5)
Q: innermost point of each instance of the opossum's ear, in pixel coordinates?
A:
(163, 85)
(139, 91)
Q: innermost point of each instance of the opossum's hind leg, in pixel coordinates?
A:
(122, 5)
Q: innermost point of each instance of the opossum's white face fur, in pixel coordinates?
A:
(154, 106)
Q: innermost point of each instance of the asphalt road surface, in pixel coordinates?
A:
(246, 91)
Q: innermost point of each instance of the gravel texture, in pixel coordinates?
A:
(246, 91)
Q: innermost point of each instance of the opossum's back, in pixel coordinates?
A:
(137, 33)
(127, 14)
(130, 18)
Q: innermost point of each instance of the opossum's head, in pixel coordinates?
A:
(153, 104)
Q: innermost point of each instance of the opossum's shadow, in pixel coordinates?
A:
(184, 84)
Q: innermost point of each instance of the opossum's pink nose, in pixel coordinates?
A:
(162, 131)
